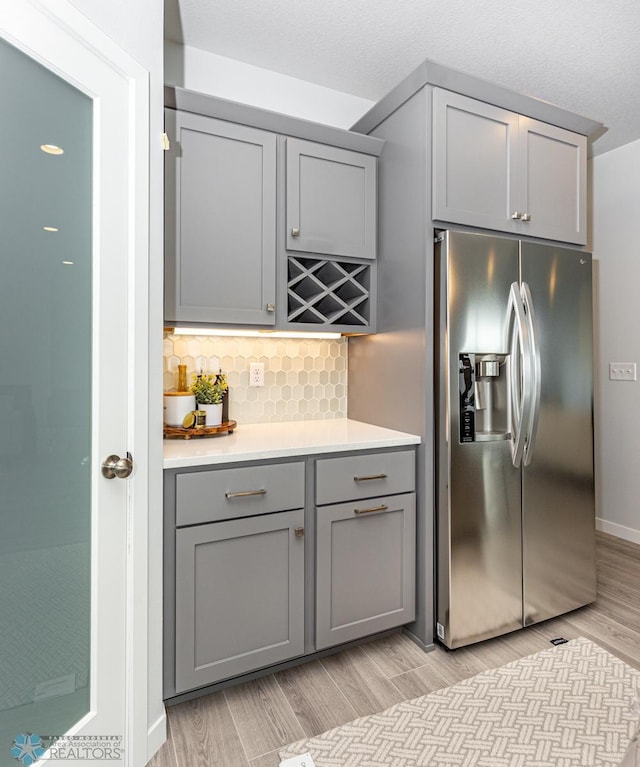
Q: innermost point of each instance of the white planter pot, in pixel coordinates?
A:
(214, 414)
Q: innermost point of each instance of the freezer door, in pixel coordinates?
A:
(558, 487)
(479, 561)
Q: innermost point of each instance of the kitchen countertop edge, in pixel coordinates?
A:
(254, 442)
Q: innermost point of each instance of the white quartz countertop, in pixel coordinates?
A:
(258, 441)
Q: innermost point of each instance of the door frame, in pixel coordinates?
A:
(61, 38)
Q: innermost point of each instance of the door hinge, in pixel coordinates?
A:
(166, 144)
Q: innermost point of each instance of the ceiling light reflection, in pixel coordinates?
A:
(51, 149)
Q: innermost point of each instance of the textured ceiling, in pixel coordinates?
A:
(583, 55)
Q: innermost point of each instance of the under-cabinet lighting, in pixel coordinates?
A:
(266, 334)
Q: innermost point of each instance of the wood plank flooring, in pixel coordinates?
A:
(245, 726)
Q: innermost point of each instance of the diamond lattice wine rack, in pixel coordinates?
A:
(323, 292)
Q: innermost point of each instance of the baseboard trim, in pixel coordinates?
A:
(156, 735)
(620, 531)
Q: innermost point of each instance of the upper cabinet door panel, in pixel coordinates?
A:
(331, 200)
(220, 182)
(474, 161)
(554, 182)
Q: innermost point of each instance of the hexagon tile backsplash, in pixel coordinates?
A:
(304, 378)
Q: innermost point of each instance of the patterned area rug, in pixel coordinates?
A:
(568, 706)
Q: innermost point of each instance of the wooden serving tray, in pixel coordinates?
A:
(226, 427)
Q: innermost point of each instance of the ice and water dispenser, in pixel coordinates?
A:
(484, 381)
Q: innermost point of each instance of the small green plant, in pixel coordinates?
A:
(209, 388)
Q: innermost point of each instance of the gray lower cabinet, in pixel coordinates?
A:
(499, 170)
(220, 221)
(365, 545)
(239, 596)
(270, 561)
(365, 568)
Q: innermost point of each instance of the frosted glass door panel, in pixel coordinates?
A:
(45, 400)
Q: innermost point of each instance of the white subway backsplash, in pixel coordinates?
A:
(304, 378)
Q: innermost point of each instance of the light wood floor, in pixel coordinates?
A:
(245, 726)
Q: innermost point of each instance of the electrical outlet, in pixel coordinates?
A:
(256, 374)
(622, 371)
(302, 760)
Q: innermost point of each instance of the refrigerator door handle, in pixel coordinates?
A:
(534, 351)
(517, 343)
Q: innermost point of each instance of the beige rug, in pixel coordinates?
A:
(568, 706)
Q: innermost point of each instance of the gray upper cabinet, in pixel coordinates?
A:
(331, 200)
(498, 170)
(220, 221)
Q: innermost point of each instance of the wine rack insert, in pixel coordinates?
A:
(327, 292)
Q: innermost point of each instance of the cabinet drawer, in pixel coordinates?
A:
(209, 496)
(364, 476)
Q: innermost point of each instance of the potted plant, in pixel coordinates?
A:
(209, 390)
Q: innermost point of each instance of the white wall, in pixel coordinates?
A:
(137, 26)
(226, 78)
(616, 214)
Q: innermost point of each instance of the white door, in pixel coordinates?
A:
(73, 389)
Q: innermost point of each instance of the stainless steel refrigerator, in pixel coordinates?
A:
(514, 381)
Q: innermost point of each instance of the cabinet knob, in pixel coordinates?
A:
(299, 531)
(526, 217)
(295, 233)
(271, 307)
(516, 215)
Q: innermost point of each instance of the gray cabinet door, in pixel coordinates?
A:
(475, 150)
(239, 597)
(220, 218)
(365, 577)
(554, 188)
(331, 200)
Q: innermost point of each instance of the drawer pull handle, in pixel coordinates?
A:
(299, 531)
(382, 507)
(370, 476)
(244, 494)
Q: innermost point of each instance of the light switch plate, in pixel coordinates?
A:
(622, 371)
(303, 760)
